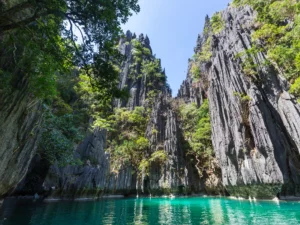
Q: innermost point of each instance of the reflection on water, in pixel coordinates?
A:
(150, 211)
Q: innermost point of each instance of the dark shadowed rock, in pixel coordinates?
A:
(20, 117)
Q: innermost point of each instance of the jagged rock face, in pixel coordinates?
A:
(130, 69)
(256, 139)
(175, 175)
(20, 117)
(189, 91)
(92, 179)
(95, 178)
(256, 143)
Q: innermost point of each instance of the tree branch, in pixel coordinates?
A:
(17, 8)
(76, 48)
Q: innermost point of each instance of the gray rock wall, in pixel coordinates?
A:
(256, 143)
(130, 70)
(94, 178)
(191, 92)
(175, 175)
(20, 117)
(256, 139)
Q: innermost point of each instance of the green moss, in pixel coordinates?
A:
(264, 191)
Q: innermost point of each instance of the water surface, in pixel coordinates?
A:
(150, 211)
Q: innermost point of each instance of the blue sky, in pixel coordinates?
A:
(173, 27)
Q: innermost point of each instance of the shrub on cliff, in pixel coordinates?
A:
(278, 35)
(197, 132)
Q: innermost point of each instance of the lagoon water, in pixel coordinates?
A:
(150, 211)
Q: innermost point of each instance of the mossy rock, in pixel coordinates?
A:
(262, 191)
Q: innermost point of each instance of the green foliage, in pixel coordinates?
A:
(242, 96)
(151, 95)
(153, 69)
(249, 66)
(154, 131)
(60, 107)
(201, 57)
(147, 67)
(57, 149)
(269, 33)
(278, 35)
(297, 61)
(60, 133)
(137, 50)
(35, 60)
(147, 51)
(205, 54)
(271, 10)
(142, 143)
(217, 23)
(197, 132)
(38, 44)
(295, 88)
(155, 77)
(39, 52)
(127, 144)
(156, 157)
(96, 102)
(189, 118)
(244, 100)
(98, 21)
(137, 44)
(195, 70)
(144, 166)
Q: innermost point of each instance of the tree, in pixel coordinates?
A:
(50, 27)
(197, 132)
(40, 51)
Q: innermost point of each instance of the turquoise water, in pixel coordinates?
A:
(150, 211)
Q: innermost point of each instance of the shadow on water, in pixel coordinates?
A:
(149, 211)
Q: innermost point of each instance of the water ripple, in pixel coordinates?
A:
(150, 211)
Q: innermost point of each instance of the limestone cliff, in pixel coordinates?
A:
(20, 116)
(255, 123)
(146, 85)
(175, 175)
(255, 126)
